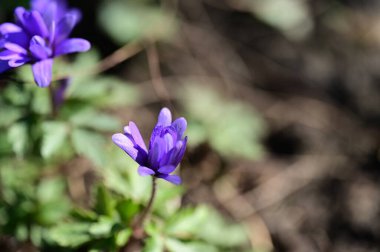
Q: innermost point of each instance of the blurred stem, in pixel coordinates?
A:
(155, 73)
(140, 221)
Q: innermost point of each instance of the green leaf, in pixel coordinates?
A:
(187, 222)
(174, 245)
(122, 237)
(219, 232)
(105, 92)
(122, 20)
(41, 103)
(70, 234)
(8, 115)
(84, 215)
(104, 204)
(54, 136)
(127, 209)
(91, 118)
(102, 228)
(154, 243)
(18, 137)
(230, 122)
(90, 144)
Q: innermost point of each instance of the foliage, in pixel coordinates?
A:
(233, 128)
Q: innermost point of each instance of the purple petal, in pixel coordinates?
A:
(169, 142)
(34, 24)
(155, 154)
(137, 135)
(72, 45)
(38, 48)
(4, 66)
(178, 153)
(65, 26)
(145, 171)
(15, 48)
(180, 126)
(125, 144)
(9, 28)
(59, 92)
(7, 55)
(164, 118)
(171, 178)
(42, 71)
(16, 62)
(19, 38)
(19, 14)
(166, 169)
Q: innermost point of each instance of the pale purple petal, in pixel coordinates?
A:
(9, 28)
(134, 131)
(125, 144)
(171, 178)
(164, 118)
(15, 48)
(166, 169)
(42, 71)
(38, 48)
(7, 55)
(72, 45)
(180, 126)
(19, 14)
(16, 62)
(145, 171)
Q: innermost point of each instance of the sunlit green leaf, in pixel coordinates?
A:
(70, 234)
(90, 144)
(174, 245)
(54, 136)
(154, 243)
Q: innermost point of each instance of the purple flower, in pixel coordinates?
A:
(38, 36)
(166, 147)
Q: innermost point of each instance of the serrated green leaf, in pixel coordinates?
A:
(70, 234)
(89, 144)
(54, 136)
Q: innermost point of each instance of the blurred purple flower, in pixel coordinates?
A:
(38, 36)
(60, 91)
(166, 147)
